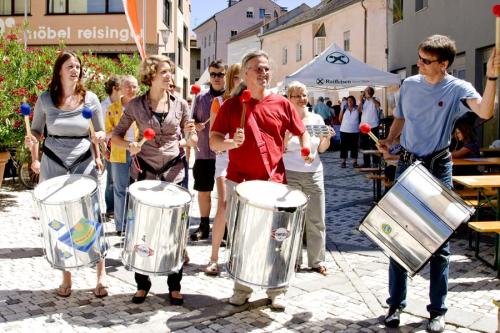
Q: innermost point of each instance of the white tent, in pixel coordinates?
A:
(337, 69)
(204, 79)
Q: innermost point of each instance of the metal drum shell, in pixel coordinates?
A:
(415, 218)
(60, 218)
(263, 241)
(155, 235)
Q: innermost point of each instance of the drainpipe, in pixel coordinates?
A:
(365, 29)
(215, 41)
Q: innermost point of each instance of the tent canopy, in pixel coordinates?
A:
(204, 79)
(336, 69)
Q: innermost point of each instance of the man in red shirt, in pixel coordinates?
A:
(258, 157)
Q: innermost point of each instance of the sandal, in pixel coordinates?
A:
(100, 291)
(64, 290)
(212, 268)
(321, 270)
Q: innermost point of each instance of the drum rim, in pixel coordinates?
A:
(43, 201)
(264, 206)
(161, 206)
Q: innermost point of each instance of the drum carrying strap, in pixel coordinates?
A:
(146, 167)
(50, 154)
(261, 145)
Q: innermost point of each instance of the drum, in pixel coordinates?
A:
(157, 227)
(415, 218)
(71, 221)
(265, 231)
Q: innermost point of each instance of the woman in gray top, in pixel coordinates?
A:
(68, 149)
(159, 158)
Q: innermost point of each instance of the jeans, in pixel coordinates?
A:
(173, 281)
(439, 262)
(108, 194)
(120, 172)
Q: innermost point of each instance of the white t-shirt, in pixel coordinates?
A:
(292, 158)
(370, 113)
(350, 121)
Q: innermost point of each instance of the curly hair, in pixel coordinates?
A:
(149, 67)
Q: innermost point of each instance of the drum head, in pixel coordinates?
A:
(65, 188)
(270, 195)
(159, 194)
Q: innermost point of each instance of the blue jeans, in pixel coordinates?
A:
(108, 194)
(120, 172)
(439, 269)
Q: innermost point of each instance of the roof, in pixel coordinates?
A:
(322, 9)
(283, 9)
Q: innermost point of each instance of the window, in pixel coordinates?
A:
(298, 53)
(420, 4)
(275, 14)
(167, 9)
(397, 10)
(84, 7)
(284, 58)
(262, 13)
(198, 64)
(457, 69)
(347, 40)
(204, 63)
(13, 7)
(204, 41)
(209, 40)
(185, 39)
(319, 45)
(208, 62)
(180, 4)
(184, 87)
(179, 53)
(234, 33)
(250, 12)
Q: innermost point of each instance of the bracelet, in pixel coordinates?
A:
(491, 78)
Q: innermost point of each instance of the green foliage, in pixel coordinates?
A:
(26, 73)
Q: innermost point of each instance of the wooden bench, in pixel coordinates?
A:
(487, 227)
(472, 193)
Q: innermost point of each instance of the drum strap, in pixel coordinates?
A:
(146, 167)
(50, 154)
(261, 145)
(68, 136)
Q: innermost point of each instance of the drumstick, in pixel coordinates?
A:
(87, 114)
(245, 97)
(496, 12)
(26, 110)
(195, 90)
(366, 129)
(149, 134)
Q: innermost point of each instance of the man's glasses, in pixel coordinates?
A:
(426, 61)
(172, 86)
(219, 75)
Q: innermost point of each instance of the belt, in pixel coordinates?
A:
(429, 160)
(68, 136)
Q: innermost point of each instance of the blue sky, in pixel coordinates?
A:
(203, 9)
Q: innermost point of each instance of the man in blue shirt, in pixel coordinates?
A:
(323, 110)
(428, 107)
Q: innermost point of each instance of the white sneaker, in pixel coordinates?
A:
(278, 302)
(239, 298)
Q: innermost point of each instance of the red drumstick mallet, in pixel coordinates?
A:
(26, 111)
(245, 97)
(149, 135)
(305, 151)
(496, 11)
(367, 129)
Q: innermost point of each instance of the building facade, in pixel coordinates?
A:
(297, 42)
(214, 34)
(100, 26)
(412, 21)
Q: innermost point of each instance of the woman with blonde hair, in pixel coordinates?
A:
(159, 158)
(232, 81)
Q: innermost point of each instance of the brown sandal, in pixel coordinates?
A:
(64, 290)
(321, 270)
(100, 291)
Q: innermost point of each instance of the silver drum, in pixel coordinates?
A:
(157, 226)
(70, 217)
(265, 231)
(415, 218)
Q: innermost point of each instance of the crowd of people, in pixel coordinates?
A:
(262, 138)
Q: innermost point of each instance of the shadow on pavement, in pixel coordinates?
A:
(21, 253)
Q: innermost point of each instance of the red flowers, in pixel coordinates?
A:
(11, 37)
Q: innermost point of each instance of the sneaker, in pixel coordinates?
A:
(392, 318)
(239, 298)
(343, 165)
(278, 302)
(436, 323)
(200, 233)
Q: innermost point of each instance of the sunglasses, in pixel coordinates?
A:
(426, 61)
(219, 75)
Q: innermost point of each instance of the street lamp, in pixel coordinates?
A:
(164, 35)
